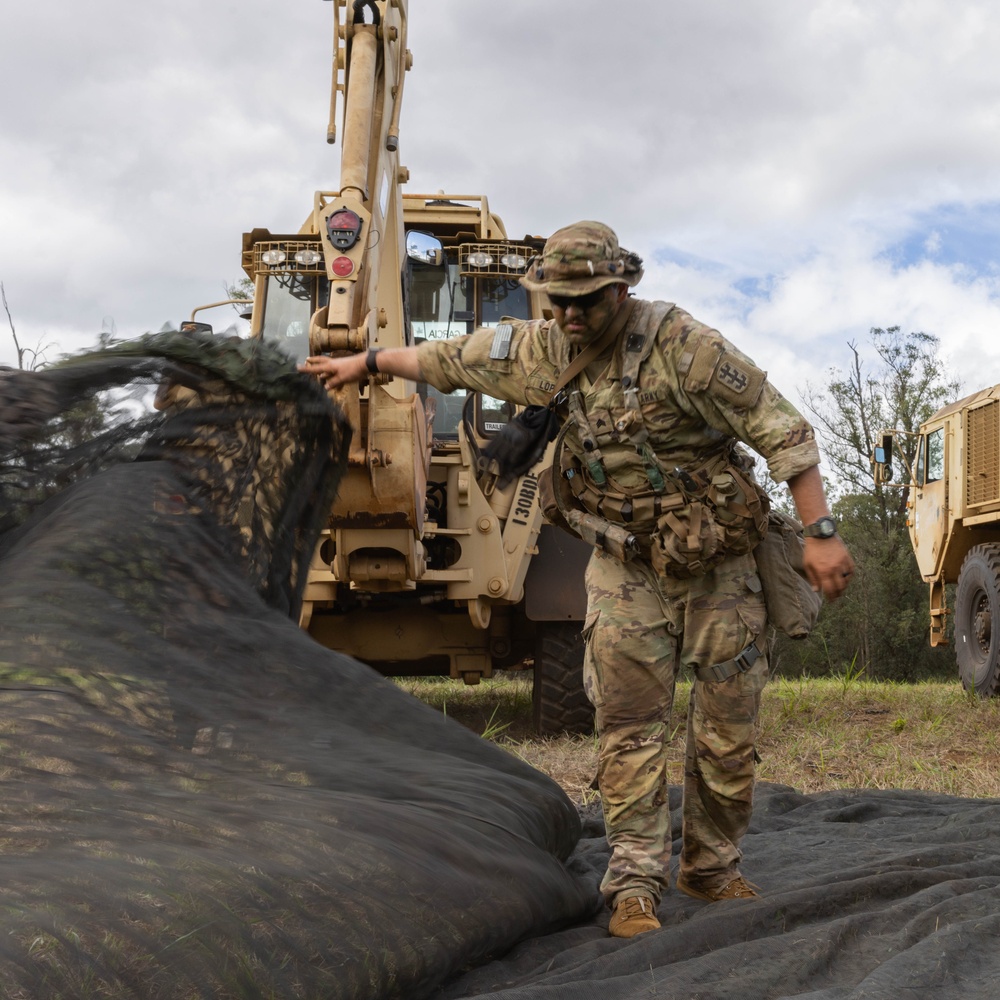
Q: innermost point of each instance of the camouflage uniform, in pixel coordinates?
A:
(693, 397)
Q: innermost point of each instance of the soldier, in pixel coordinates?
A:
(651, 445)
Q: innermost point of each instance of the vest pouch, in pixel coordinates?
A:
(547, 495)
(741, 507)
(729, 520)
(687, 541)
(792, 605)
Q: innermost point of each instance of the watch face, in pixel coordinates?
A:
(825, 527)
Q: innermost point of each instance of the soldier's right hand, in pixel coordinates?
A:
(335, 372)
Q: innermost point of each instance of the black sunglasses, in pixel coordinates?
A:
(582, 302)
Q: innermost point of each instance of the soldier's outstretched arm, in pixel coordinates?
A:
(828, 564)
(335, 372)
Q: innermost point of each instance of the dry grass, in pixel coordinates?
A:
(838, 733)
(816, 734)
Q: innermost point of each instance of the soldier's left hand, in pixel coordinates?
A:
(828, 565)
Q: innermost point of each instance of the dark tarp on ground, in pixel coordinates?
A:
(868, 894)
(198, 801)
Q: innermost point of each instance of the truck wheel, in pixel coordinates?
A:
(558, 699)
(977, 621)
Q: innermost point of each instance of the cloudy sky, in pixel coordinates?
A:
(794, 172)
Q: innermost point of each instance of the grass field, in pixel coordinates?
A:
(816, 734)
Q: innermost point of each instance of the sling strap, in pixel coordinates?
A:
(593, 351)
(523, 441)
(578, 415)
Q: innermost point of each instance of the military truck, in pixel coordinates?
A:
(953, 516)
(427, 566)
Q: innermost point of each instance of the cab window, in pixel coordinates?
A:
(446, 304)
(503, 297)
(291, 301)
(442, 303)
(442, 306)
(935, 455)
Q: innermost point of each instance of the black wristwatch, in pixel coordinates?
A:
(824, 527)
(371, 360)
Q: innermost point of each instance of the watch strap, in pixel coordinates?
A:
(371, 360)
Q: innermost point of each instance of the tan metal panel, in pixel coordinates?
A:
(982, 448)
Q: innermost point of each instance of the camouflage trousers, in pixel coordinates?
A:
(640, 629)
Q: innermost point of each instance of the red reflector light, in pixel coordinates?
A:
(344, 228)
(343, 266)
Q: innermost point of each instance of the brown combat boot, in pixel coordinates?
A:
(737, 888)
(633, 915)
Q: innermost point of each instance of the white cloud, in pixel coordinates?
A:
(801, 327)
(773, 149)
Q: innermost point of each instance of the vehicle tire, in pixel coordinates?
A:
(558, 699)
(977, 621)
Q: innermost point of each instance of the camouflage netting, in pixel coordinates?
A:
(198, 801)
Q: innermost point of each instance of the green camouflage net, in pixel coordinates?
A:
(198, 800)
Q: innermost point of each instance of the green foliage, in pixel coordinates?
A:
(494, 727)
(243, 288)
(879, 628)
(852, 673)
(908, 385)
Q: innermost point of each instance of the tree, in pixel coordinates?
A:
(242, 289)
(881, 623)
(27, 358)
(908, 386)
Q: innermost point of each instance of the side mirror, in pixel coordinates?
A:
(882, 460)
(424, 248)
(193, 326)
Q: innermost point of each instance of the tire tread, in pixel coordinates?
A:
(559, 702)
(985, 560)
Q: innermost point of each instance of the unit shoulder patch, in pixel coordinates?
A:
(737, 380)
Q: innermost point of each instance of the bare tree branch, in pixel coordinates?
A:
(13, 332)
(37, 353)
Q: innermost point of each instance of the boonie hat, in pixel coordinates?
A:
(579, 259)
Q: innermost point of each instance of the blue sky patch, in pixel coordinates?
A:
(755, 286)
(967, 235)
(672, 255)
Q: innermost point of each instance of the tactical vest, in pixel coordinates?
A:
(684, 520)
